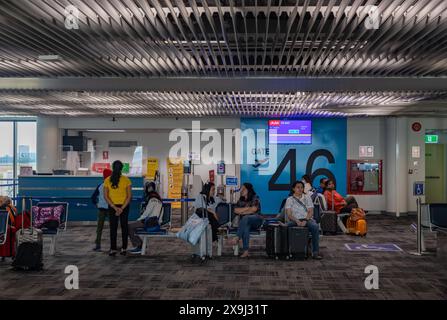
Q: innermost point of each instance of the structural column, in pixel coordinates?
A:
(47, 144)
(397, 165)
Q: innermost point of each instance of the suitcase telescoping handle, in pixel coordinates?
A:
(204, 210)
(30, 214)
(23, 214)
(333, 204)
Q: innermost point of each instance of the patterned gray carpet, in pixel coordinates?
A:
(168, 273)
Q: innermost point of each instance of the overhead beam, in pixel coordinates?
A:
(204, 84)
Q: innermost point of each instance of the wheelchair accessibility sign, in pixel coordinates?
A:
(418, 188)
(389, 247)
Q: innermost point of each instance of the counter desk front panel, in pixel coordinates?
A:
(75, 190)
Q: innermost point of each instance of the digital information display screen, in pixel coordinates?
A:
(290, 131)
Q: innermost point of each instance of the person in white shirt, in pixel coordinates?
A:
(308, 189)
(152, 206)
(299, 211)
(206, 200)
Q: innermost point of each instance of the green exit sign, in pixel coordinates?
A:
(431, 138)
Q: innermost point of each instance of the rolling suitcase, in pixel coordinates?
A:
(329, 222)
(29, 247)
(358, 228)
(276, 242)
(204, 247)
(298, 238)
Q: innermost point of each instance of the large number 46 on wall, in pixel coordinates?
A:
(291, 157)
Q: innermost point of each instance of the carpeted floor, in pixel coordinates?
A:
(168, 273)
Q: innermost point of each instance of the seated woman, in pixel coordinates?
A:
(248, 208)
(8, 247)
(336, 202)
(152, 206)
(205, 200)
(299, 210)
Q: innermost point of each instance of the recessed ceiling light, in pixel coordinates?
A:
(106, 130)
(50, 57)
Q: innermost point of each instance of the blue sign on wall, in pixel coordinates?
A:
(418, 188)
(231, 181)
(325, 157)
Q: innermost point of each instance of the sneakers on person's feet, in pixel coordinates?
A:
(113, 253)
(123, 252)
(97, 248)
(316, 256)
(135, 251)
(244, 255)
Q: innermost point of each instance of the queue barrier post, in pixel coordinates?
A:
(184, 205)
(419, 241)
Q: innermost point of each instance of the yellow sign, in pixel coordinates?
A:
(175, 180)
(152, 167)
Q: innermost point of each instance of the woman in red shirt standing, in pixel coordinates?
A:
(336, 202)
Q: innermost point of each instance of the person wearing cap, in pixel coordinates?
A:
(103, 208)
(152, 206)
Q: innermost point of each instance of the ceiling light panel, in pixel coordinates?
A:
(186, 38)
(175, 103)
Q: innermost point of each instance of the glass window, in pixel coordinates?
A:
(7, 158)
(364, 176)
(26, 146)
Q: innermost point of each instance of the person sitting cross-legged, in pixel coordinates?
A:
(248, 208)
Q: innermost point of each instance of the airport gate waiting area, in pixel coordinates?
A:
(223, 150)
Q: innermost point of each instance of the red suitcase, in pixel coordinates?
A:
(8, 249)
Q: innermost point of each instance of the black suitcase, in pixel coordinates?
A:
(298, 238)
(28, 256)
(276, 242)
(30, 247)
(329, 222)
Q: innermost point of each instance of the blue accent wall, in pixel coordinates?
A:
(329, 140)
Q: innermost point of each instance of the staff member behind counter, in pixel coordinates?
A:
(118, 193)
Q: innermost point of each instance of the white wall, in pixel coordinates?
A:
(418, 139)
(397, 164)
(153, 135)
(155, 144)
(47, 142)
(391, 137)
(369, 132)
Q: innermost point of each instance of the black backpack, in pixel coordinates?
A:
(95, 195)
